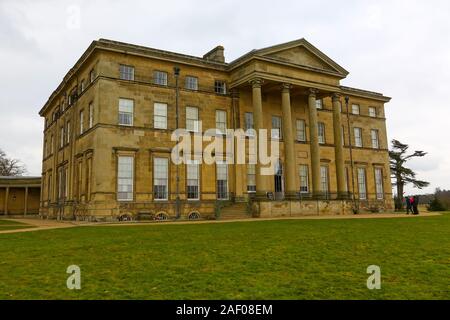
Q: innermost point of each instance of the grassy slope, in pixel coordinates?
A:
(300, 259)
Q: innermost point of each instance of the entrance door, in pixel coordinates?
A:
(279, 181)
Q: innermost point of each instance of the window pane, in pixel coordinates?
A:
(126, 72)
(276, 127)
(126, 107)
(251, 178)
(374, 136)
(192, 119)
(192, 181)
(358, 137)
(362, 183)
(191, 83)
(372, 111)
(319, 104)
(222, 181)
(160, 116)
(321, 128)
(160, 178)
(221, 121)
(125, 178)
(379, 183)
(324, 178)
(301, 132)
(303, 171)
(355, 109)
(160, 78)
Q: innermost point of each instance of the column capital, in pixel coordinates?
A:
(336, 96)
(256, 82)
(312, 92)
(285, 87)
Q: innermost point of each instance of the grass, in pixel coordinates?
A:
(13, 225)
(288, 259)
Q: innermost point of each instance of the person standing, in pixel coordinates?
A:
(415, 206)
(408, 205)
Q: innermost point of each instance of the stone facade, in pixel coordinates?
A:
(19, 196)
(83, 139)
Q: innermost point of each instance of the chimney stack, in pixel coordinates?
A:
(216, 54)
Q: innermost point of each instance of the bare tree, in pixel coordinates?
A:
(10, 167)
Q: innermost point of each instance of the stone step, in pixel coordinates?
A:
(235, 211)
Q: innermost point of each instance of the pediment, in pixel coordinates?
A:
(302, 53)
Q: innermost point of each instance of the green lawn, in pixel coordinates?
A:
(12, 225)
(297, 259)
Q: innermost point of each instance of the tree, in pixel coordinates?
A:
(10, 167)
(402, 174)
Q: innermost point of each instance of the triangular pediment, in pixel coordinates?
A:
(302, 53)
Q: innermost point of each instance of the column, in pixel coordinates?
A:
(6, 200)
(314, 142)
(261, 185)
(288, 138)
(338, 147)
(25, 207)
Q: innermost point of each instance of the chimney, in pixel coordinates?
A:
(216, 54)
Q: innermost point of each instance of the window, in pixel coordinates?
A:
(126, 72)
(276, 127)
(220, 87)
(355, 108)
(303, 171)
(161, 176)
(379, 183)
(191, 83)
(92, 75)
(301, 130)
(221, 121)
(91, 115)
(343, 135)
(82, 85)
(324, 179)
(61, 137)
(222, 180)
(358, 137)
(66, 182)
(126, 108)
(192, 119)
(374, 137)
(372, 112)
(319, 104)
(362, 183)
(251, 178)
(160, 77)
(68, 132)
(125, 178)
(321, 129)
(193, 180)
(160, 116)
(81, 122)
(51, 145)
(248, 119)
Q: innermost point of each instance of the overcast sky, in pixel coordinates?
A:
(399, 48)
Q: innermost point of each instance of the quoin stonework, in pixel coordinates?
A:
(107, 138)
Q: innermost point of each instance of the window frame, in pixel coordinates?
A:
(156, 77)
(198, 169)
(363, 182)
(119, 177)
(321, 137)
(159, 116)
(188, 81)
(301, 130)
(273, 129)
(360, 137)
(219, 164)
(221, 121)
(125, 112)
(358, 108)
(376, 141)
(195, 121)
(220, 87)
(304, 188)
(126, 72)
(166, 178)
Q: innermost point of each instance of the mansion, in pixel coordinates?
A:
(107, 137)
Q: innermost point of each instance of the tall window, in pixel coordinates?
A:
(324, 179)
(193, 180)
(126, 111)
(251, 178)
(358, 137)
(81, 122)
(160, 77)
(303, 171)
(161, 178)
(91, 115)
(222, 180)
(92, 75)
(362, 183)
(248, 119)
(68, 132)
(191, 83)
(321, 129)
(66, 182)
(82, 85)
(379, 183)
(301, 130)
(61, 137)
(372, 112)
(51, 145)
(221, 121)
(125, 178)
(160, 116)
(276, 127)
(319, 104)
(192, 119)
(355, 108)
(374, 137)
(126, 72)
(220, 87)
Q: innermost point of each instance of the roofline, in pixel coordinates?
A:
(365, 93)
